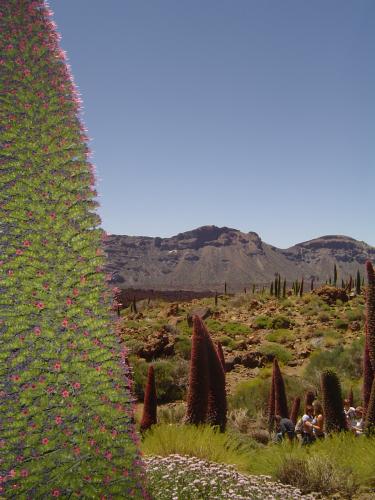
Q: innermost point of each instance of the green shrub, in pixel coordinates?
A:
(171, 378)
(316, 473)
(227, 341)
(282, 336)
(346, 361)
(341, 324)
(182, 346)
(184, 328)
(214, 326)
(280, 322)
(236, 328)
(171, 414)
(276, 350)
(324, 316)
(355, 314)
(262, 322)
(252, 394)
(344, 451)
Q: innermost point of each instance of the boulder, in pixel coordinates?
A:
(202, 312)
(355, 326)
(157, 346)
(330, 294)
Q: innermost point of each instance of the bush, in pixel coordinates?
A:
(341, 324)
(347, 454)
(355, 314)
(276, 350)
(253, 394)
(316, 473)
(227, 342)
(172, 414)
(262, 322)
(324, 317)
(280, 322)
(182, 346)
(214, 326)
(282, 336)
(170, 377)
(236, 328)
(346, 361)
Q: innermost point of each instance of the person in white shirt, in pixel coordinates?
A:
(357, 426)
(349, 413)
(307, 426)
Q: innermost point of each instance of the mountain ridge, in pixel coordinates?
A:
(206, 257)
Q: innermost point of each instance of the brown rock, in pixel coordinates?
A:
(355, 326)
(330, 294)
(253, 359)
(159, 345)
(172, 310)
(202, 312)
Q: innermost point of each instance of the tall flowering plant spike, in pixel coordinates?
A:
(295, 409)
(370, 413)
(309, 398)
(217, 396)
(281, 405)
(220, 353)
(271, 403)
(333, 406)
(370, 312)
(66, 412)
(368, 374)
(197, 399)
(351, 397)
(149, 416)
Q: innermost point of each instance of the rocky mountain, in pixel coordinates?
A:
(206, 257)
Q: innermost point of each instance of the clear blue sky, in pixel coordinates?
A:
(252, 114)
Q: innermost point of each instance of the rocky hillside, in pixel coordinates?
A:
(205, 258)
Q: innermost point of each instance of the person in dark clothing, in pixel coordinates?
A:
(284, 427)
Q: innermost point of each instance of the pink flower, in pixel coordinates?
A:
(69, 301)
(75, 291)
(10, 272)
(56, 493)
(64, 323)
(108, 455)
(76, 385)
(39, 305)
(77, 450)
(12, 473)
(58, 420)
(65, 393)
(26, 243)
(24, 473)
(37, 331)
(45, 441)
(53, 215)
(57, 366)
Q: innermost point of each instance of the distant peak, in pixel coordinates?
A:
(206, 232)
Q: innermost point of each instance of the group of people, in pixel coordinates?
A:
(310, 426)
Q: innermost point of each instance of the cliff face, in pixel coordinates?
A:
(205, 258)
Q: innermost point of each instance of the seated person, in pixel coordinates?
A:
(318, 421)
(284, 427)
(357, 426)
(307, 426)
(349, 413)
